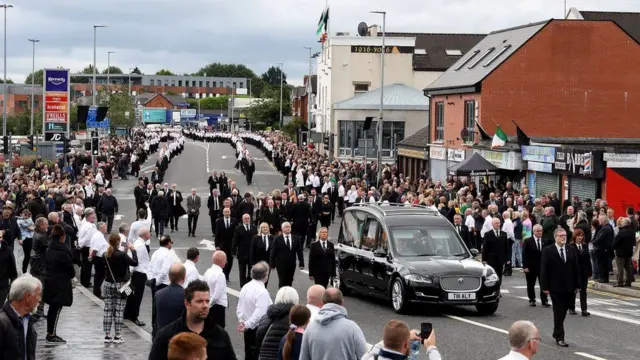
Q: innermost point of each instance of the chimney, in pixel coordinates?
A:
(373, 30)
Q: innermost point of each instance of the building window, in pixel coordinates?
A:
(351, 139)
(214, 84)
(439, 121)
(497, 55)
(179, 82)
(360, 88)
(208, 83)
(173, 83)
(234, 84)
(200, 83)
(166, 83)
(152, 82)
(22, 104)
(482, 57)
(241, 85)
(469, 119)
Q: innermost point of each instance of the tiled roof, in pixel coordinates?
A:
(419, 139)
(436, 46)
(477, 63)
(396, 97)
(628, 21)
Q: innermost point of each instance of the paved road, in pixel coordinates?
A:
(610, 333)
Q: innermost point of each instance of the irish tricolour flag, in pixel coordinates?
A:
(499, 139)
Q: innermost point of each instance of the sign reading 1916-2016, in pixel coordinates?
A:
(378, 49)
(56, 100)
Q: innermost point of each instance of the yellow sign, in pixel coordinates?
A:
(418, 154)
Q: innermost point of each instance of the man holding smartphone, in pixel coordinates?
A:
(398, 343)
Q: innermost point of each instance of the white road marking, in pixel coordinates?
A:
(588, 356)
(504, 291)
(305, 271)
(118, 217)
(223, 156)
(477, 324)
(209, 244)
(523, 287)
(208, 157)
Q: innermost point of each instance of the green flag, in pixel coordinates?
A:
(322, 23)
(499, 139)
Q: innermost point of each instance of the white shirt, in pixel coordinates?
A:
(85, 233)
(99, 244)
(486, 226)
(507, 227)
(159, 266)
(253, 303)
(123, 241)
(136, 227)
(217, 285)
(192, 272)
(314, 311)
(143, 256)
(470, 222)
(514, 356)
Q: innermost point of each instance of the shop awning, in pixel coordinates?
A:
(475, 165)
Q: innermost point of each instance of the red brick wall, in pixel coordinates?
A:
(453, 117)
(159, 102)
(573, 79)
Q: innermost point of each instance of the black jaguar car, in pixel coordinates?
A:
(411, 254)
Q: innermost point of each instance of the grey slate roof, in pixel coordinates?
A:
(396, 97)
(460, 75)
(628, 21)
(436, 45)
(419, 139)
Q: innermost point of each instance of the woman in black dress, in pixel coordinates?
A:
(325, 212)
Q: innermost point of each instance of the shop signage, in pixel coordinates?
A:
(416, 154)
(56, 100)
(378, 49)
(628, 161)
(540, 167)
(579, 163)
(437, 153)
(540, 154)
(504, 160)
(455, 155)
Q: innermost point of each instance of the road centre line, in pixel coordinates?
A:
(589, 356)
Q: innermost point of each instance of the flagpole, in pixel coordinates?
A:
(326, 5)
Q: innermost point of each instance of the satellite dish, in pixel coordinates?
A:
(464, 134)
(363, 29)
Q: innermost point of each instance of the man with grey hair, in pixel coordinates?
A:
(107, 207)
(531, 255)
(252, 306)
(603, 244)
(99, 246)
(85, 233)
(138, 277)
(283, 255)
(524, 340)
(123, 231)
(193, 211)
(623, 244)
(17, 335)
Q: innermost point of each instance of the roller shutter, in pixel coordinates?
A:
(546, 183)
(583, 188)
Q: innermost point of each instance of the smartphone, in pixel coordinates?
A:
(425, 330)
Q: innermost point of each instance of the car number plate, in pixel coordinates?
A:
(462, 296)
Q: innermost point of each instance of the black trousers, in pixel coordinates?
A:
(245, 271)
(603, 265)
(340, 205)
(229, 265)
(217, 315)
(192, 223)
(532, 277)
(98, 277)
(584, 281)
(4, 292)
(173, 221)
(52, 318)
(285, 277)
(250, 346)
(213, 219)
(561, 304)
(154, 290)
(132, 309)
(108, 218)
(322, 280)
(249, 176)
(85, 270)
(27, 244)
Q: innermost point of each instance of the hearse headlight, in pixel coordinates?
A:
(491, 280)
(418, 279)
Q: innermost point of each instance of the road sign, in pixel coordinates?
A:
(55, 127)
(99, 124)
(59, 148)
(48, 136)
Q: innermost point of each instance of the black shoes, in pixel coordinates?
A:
(585, 313)
(561, 343)
(546, 304)
(572, 312)
(532, 303)
(55, 339)
(139, 323)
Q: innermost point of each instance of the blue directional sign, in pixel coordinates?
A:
(105, 124)
(59, 148)
(93, 114)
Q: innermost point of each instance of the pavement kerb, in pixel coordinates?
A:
(625, 291)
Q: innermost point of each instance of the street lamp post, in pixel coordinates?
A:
(380, 118)
(6, 92)
(281, 76)
(109, 70)
(93, 92)
(130, 70)
(33, 77)
(309, 89)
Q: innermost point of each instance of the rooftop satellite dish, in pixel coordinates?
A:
(363, 29)
(464, 134)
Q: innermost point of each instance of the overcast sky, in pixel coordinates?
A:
(184, 35)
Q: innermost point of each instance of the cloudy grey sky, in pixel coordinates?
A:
(184, 35)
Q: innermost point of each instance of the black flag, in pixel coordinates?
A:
(523, 139)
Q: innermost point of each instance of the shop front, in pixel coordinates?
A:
(438, 163)
(412, 162)
(623, 181)
(582, 172)
(539, 164)
(508, 161)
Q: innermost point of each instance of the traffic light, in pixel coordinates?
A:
(66, 145)
(5, 144)
(95, 146)
(325, 141)
(304, 138)
(31, 142)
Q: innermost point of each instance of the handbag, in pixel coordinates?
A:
(126, 289)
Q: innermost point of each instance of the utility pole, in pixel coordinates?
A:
(109, 70)
(33, 79)
(381, 117)
(281, 76)
(93, 92)
(6, 86)
(309, 90)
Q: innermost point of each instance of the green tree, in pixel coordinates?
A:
(257, 85)
(121, 111)
(136, 71)
(171, 92)
(38, 77)
(268, 111)
(9, 81)
(112, 70)
(214, 103)
(164, 72)
(226, 70)
(272, 76)
(89, 70)
(291, 128)
(84, 80)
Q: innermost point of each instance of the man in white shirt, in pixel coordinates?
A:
(138, 225)
(524, 340)
(99, 246)
(158, 272)
(215, 278)
(138, 277)
(123, 231)
(314, 300)
(85, 232)
(486, 226)
(252, 306)
(193, 255)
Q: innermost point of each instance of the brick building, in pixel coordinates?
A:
(300, 100)
(561, 81)
(19, 98)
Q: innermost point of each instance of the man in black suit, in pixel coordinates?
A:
(261, 245)
(301, 217)
(225, 227)
(603, 242)
(560, 278)
(316, 203)
(141, 196)
(332, 191)
(531, 257)
(283, 255)
(241, 247)
(174, 198)
(249, 169)
(213, 181)
(214, 205)
(462, 230)
(584, 262)
(271, 216)
(495, 248)
(322, 259)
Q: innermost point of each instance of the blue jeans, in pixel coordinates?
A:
(594, 265)
(516, 253)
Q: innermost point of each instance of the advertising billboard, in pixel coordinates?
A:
(154, 116)
(56, 100)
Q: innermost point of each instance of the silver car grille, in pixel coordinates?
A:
(460, 283)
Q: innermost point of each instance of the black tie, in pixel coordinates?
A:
(580, 247)
(215, 203)
(538, 245)
(246, 227)
(288, 242)
(266, 242)
(226, 223)
(459, 229)
(562, 255)
(324, 246)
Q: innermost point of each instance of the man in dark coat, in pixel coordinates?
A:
(283, 255)
(495, 248)
(241, 247)
(225, 227)
(603, 243)
(169, 301)
(322, 259)
(249, 169)
(15, 341)
(531, 257)
(8, 270)
(174, 198)
(623, 247)
(196, 300)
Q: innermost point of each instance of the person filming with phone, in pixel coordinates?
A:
(400, 343)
